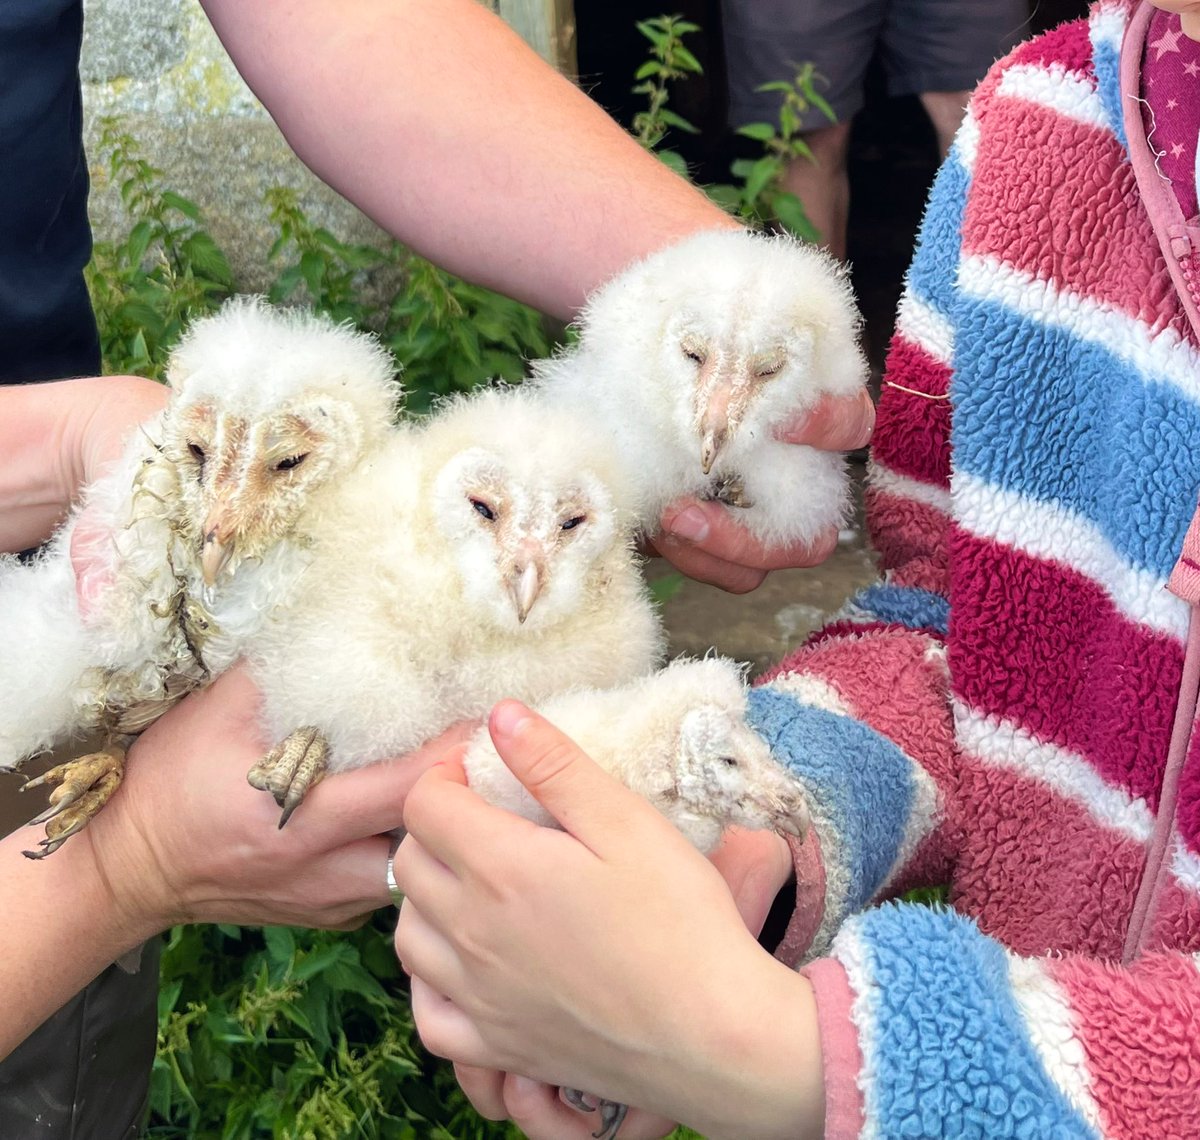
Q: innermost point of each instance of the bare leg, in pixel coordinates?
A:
(824, 186)
(945, 110)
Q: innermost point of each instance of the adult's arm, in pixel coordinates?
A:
(186, 839)
(443, 126)
(56, 437)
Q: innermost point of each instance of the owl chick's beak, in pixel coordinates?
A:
(217, 548)
(714, 423)
(525, 584)
(788, 814)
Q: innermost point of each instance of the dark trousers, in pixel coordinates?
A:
(85, 1073)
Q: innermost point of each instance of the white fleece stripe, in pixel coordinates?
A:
(1068, 93)
(864, 1013)
(882, 478)
(924, 814)
(1051, 1027)
(1003, 744)
(1185, 865)
(1052, 533)
(1165, 355)
(811, 691)
(925, 327)
(1107, 25)
(966, 141)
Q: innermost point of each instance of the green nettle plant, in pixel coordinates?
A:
(300, 1034)
(757, 196)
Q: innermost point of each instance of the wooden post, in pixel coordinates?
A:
(548, 26)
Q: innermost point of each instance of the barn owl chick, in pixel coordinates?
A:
(695, 357)
(487, 554)
(679, 738)
(185, 542)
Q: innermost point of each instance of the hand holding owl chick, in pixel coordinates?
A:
(525, 941)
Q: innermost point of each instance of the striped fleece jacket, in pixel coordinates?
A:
(1011, 709)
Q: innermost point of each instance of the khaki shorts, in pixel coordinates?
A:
(924, 45)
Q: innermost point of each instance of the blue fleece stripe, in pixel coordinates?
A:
(935, 264)
(1088, 431)
(858, 779)
(947, 1052)
(905, 605)
(1106, 60)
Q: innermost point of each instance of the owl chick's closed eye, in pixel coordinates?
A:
(695, 357)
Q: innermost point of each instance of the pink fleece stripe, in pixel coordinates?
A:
(913, 433)
(1037, 871)
(1041, 644)
(810, 899)
(840, 1050)
(1029, 219)
(1139, 1030)
(910, 537)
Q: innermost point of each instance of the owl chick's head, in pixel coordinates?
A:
(270, 406)
(737, 332)
(721, 768)
(530, 503)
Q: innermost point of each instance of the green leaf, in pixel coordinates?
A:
(650, 67)
(759, 177)
(791, 213)
(185, 206)
(673, 120)
(281, 944)
(759, 131)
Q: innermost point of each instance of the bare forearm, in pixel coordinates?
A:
(53, 438)
(60, 930)
(443, 126)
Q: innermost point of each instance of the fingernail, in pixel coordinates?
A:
(691, 524)
(508, 717)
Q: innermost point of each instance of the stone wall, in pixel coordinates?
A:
(158, 65)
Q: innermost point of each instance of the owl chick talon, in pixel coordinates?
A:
(612, 1113)
(291, 768)
(612, 1116)
(728, 489)
(84, 786)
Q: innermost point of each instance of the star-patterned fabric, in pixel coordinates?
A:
(1171, 110)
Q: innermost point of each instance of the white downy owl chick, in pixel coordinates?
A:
(696, 356)
(679, 738)
(188, 539)
(487, 554)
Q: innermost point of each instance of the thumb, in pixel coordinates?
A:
(586, 801)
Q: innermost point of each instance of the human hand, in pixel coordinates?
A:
(755, 866)
(187, 839)
(534, 951)
(705, 540)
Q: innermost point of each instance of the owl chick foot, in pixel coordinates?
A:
(81, 788)
(612, 1113)
(728, 489)
(293, 766)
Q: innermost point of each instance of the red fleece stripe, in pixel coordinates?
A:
(841, 1056)
(1027, 200)
(1138, 1028)
(912, 436)
(1042, 645)
(910, 537)
(1038, 871)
